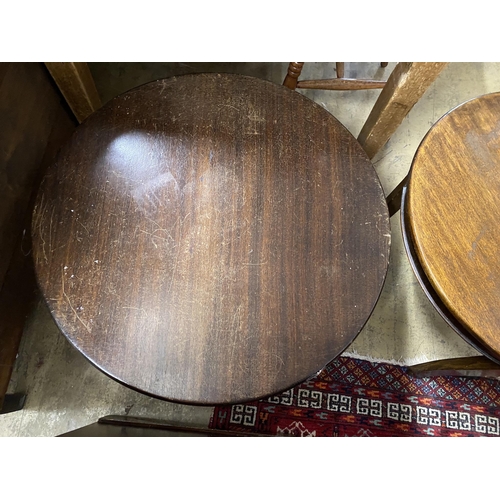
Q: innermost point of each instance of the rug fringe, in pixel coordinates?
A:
(401, 362)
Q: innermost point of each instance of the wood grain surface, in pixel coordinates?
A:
(340, 84)
(211, 238)
(34, 125)
(427, 287)
(454, 213)
(76, 84)
(405, 86)
(475, 366)
(293, 73)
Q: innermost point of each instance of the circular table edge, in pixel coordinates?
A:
(266, 395)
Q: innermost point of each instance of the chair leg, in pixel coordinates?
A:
(76, 84)
(294, 70)
(405, 86)
(340, 70)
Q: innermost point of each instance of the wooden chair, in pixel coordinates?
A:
(340, 83)
(404, 87)
(449, 216)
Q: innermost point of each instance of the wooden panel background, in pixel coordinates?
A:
(35, 121)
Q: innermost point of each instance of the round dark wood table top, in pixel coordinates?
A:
(211, 238)
(454, 214)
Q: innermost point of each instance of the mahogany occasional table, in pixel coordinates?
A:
(211, 238)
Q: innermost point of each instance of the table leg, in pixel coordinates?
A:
(394, 199)
(12, 402)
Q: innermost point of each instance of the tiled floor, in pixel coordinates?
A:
(65, 392)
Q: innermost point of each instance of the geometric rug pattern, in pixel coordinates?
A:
(353, 397)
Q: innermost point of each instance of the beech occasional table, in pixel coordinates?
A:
(211, 238)
(451, 220)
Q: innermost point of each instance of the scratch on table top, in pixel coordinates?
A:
(228, 106)
(281, 360)
(473, 250)
(65, 295)
(153, 235)
(83, 227)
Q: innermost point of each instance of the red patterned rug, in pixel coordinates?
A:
(353, 397)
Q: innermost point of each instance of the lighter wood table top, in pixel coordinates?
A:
(454, 214)
(211, 238)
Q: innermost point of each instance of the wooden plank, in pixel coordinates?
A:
(474, 366)
(152, 423)
(340, 84)
(4, 67)
(35, 122)
(405, 86)
(125, 426)
(76, 84)
(29, 102)
(16, 300)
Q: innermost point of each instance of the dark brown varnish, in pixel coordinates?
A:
(33, 124)
(211, 238)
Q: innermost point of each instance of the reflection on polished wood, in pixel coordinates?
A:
(211, 238)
